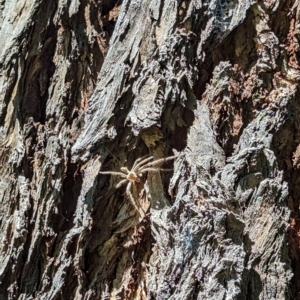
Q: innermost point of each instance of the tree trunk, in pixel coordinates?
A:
(90, 87)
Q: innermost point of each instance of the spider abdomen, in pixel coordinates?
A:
(133, 177)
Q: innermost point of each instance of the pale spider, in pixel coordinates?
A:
(140, 166)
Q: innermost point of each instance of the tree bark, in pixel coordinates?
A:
(93, 86)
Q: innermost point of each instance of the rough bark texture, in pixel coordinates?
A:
(89, 86)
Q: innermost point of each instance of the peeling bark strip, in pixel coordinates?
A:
(90, 87)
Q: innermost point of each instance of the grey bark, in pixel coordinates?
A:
(92, 86)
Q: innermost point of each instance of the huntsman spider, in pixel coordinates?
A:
(140, 166)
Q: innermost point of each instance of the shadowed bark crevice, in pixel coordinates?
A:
(286, 144)
(72, 184)
(38, 68)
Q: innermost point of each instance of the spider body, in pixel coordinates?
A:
(131, 176)
(141, 165)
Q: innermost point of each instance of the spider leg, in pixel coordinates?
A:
(138, 160)
(154, 170)
(156, 162)
(137, 166)
(148, 170)
(122, 182)
(113, 173)
(130, 196)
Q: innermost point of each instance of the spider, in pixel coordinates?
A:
(140, 166)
